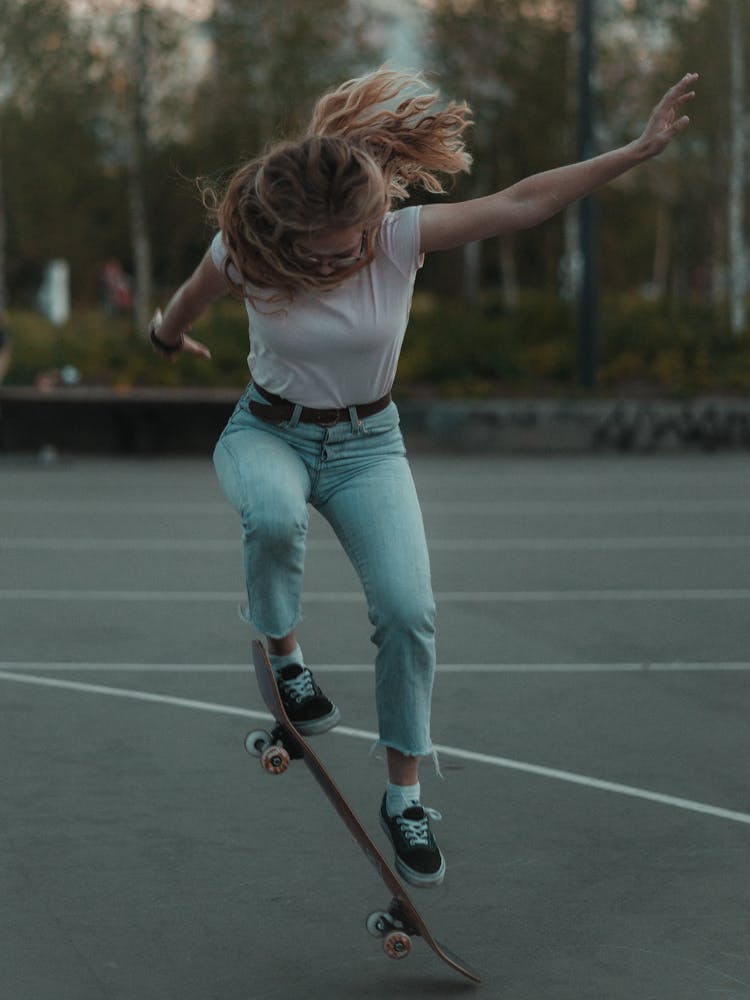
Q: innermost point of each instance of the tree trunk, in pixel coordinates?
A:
(3, 239)
(137, 179)
(472, 265)
(736, 199)
(571, 263)
(570, 267)
(660, 272)
(508, 272)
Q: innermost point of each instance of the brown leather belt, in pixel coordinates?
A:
(279, 409)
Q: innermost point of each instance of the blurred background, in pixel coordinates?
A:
(113, 115)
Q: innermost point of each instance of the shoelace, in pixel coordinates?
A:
(299, 687)
(417, 831)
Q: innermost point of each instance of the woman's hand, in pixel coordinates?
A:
(170, 349)
(666, 122)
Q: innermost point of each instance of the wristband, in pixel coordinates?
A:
(167, 348)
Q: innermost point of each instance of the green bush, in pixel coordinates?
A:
(107, 351)
(674, 352)
(448, 350)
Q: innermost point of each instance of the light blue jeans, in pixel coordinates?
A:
(357, 476)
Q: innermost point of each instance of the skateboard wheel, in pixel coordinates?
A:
(397, 944)
(275, 759)
(256, 742)
(379, 923)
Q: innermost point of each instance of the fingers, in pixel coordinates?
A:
(679, 126)
(666, 110)
(679, 93)
(683, 98)
(666, 122)
(196, 347)
(687, 81)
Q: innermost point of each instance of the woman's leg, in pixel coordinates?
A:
(268, 484)
(369, 498)
(283, 646)
(402, 769)
(375, 513)
(377, 518)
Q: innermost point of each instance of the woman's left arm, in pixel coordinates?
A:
(539, 197)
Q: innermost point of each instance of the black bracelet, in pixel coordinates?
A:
(167, 348)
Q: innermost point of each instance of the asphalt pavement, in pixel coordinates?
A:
(591, 710)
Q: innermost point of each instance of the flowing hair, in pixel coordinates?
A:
(368, 144)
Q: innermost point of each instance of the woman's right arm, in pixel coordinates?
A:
(169, 332)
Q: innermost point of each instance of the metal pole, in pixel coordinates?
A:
(588, 306)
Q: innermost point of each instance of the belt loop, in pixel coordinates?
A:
(354, 418)
(296, 414)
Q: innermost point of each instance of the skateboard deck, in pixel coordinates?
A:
(401, 921)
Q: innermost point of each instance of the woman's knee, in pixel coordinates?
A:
(274, 523)
(266, 490)
(401, 615)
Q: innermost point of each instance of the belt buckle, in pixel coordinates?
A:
(327, 418)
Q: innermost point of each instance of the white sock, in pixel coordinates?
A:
(400, 797)
(279, 662)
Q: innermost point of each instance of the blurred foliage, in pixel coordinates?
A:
(211, 93)
(66, 94)
(105, 351)
(646, 349)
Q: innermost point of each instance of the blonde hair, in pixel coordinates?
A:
(358, 157)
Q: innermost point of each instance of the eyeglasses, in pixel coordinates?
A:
(337, 260)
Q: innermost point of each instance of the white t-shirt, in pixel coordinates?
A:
(338, 347)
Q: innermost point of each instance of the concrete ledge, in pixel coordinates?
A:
(136, 422)
(188, 421)
(578, 426)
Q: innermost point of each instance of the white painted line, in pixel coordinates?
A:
(111, 692)
(546, 508)
(355, 597)
(170, 508)
(125, 596)
(361, 734)
(119, 545)
(191, 508)
(555, 596)
(603, 786)
(69, 666)
(617, 544)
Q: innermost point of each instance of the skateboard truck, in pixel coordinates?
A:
(276, 749)
(395, 929)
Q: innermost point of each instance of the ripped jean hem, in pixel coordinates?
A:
(409, 753)
(245, 616)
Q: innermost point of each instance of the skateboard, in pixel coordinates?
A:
(401, 921)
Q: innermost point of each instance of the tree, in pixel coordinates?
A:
(261, 68)
(500, 56)
(738, 257)
(711, 223)
(41, 58)
(270, 60)
(141, 52)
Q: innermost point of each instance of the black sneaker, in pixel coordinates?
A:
(418, 857)
(306, 705)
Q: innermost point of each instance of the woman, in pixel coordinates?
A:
(308, 236)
